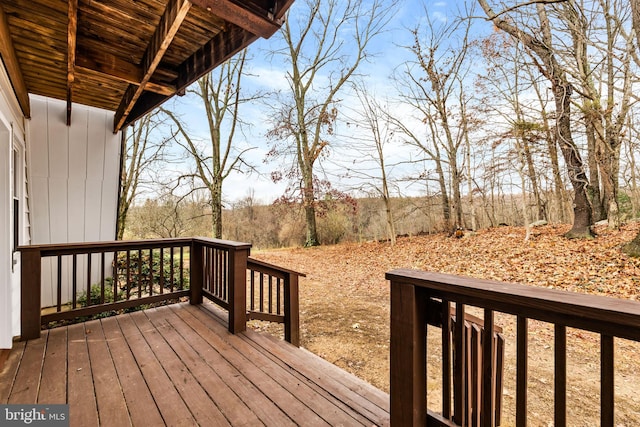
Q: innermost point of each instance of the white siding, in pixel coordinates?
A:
(11, 131)
(74, 178)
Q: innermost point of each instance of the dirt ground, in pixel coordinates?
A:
(344, 308)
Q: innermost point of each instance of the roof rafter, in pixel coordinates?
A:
(8, 56)
(112, 66)
(166, 30)
(72, 30)
(253, 19)
(220, 48)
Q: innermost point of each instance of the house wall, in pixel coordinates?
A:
(73, 176)
(12, 135)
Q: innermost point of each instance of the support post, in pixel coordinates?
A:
(195, 272)
(408, 355)
(30, 297)
(238, 289)
(291, 310)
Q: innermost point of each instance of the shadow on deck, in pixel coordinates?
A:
(179, 365)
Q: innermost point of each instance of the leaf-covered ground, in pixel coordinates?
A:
(345, 305)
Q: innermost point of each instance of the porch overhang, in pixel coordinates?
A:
(122, 55)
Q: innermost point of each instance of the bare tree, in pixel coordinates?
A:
(368, 162)
(602, 54)
(539, 43)
(216, 156)
(325, 43)
(144, 148)
(506, 77)
(635, 8)
(432, 84)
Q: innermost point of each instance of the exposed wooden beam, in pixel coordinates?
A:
(281, 8)
(112, 66)
(253, 19)
(220, 48)
(72, 29)
(170, 22)
(10, 59)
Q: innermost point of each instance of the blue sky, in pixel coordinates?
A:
(267, 74)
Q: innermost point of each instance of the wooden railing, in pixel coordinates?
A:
(86, 279)
(273, 297)
(419, 296)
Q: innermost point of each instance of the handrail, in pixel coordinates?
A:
(110, 276)
(414, 293)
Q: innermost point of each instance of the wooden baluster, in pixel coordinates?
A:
(140, 281)
(522, 354)
(253, 289)
(261, 292)
(606, 381)
(102, 266)
(488, 371)
(161, 278)
(74, 281)
(128, 282)
(460, 380)
(560, 376)
(278, 297)
(446, 359)
(181, 287)
(89, 302)
(59, 284)
(474, 376)
(171, 274)
(270, 304)
(115, 276)
(498, 375)
(150, 271)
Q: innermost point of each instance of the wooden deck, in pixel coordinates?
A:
(178, 365)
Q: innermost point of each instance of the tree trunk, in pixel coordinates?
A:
(216, 211)
(594, 175)
(581, 208)
(312, 232)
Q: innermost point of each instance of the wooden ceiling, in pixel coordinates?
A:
(127, 56)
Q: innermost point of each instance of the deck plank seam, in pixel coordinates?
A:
(146, 334)
(227, 340)
(282, 381)
(10, 367)
(329, 392)
(188, 317)
(119, 365)
(159, 322)
(236, 373)
(375, 411)
(137, 355)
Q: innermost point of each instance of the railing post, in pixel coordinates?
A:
(195, 272)
(408, 379)
(291, 310)
(30, 293)
(238, 289)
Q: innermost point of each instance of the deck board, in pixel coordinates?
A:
(53, 384)
(140, 403)
(178, 365)
(84, 410)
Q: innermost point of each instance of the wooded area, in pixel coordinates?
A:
(535, 120)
